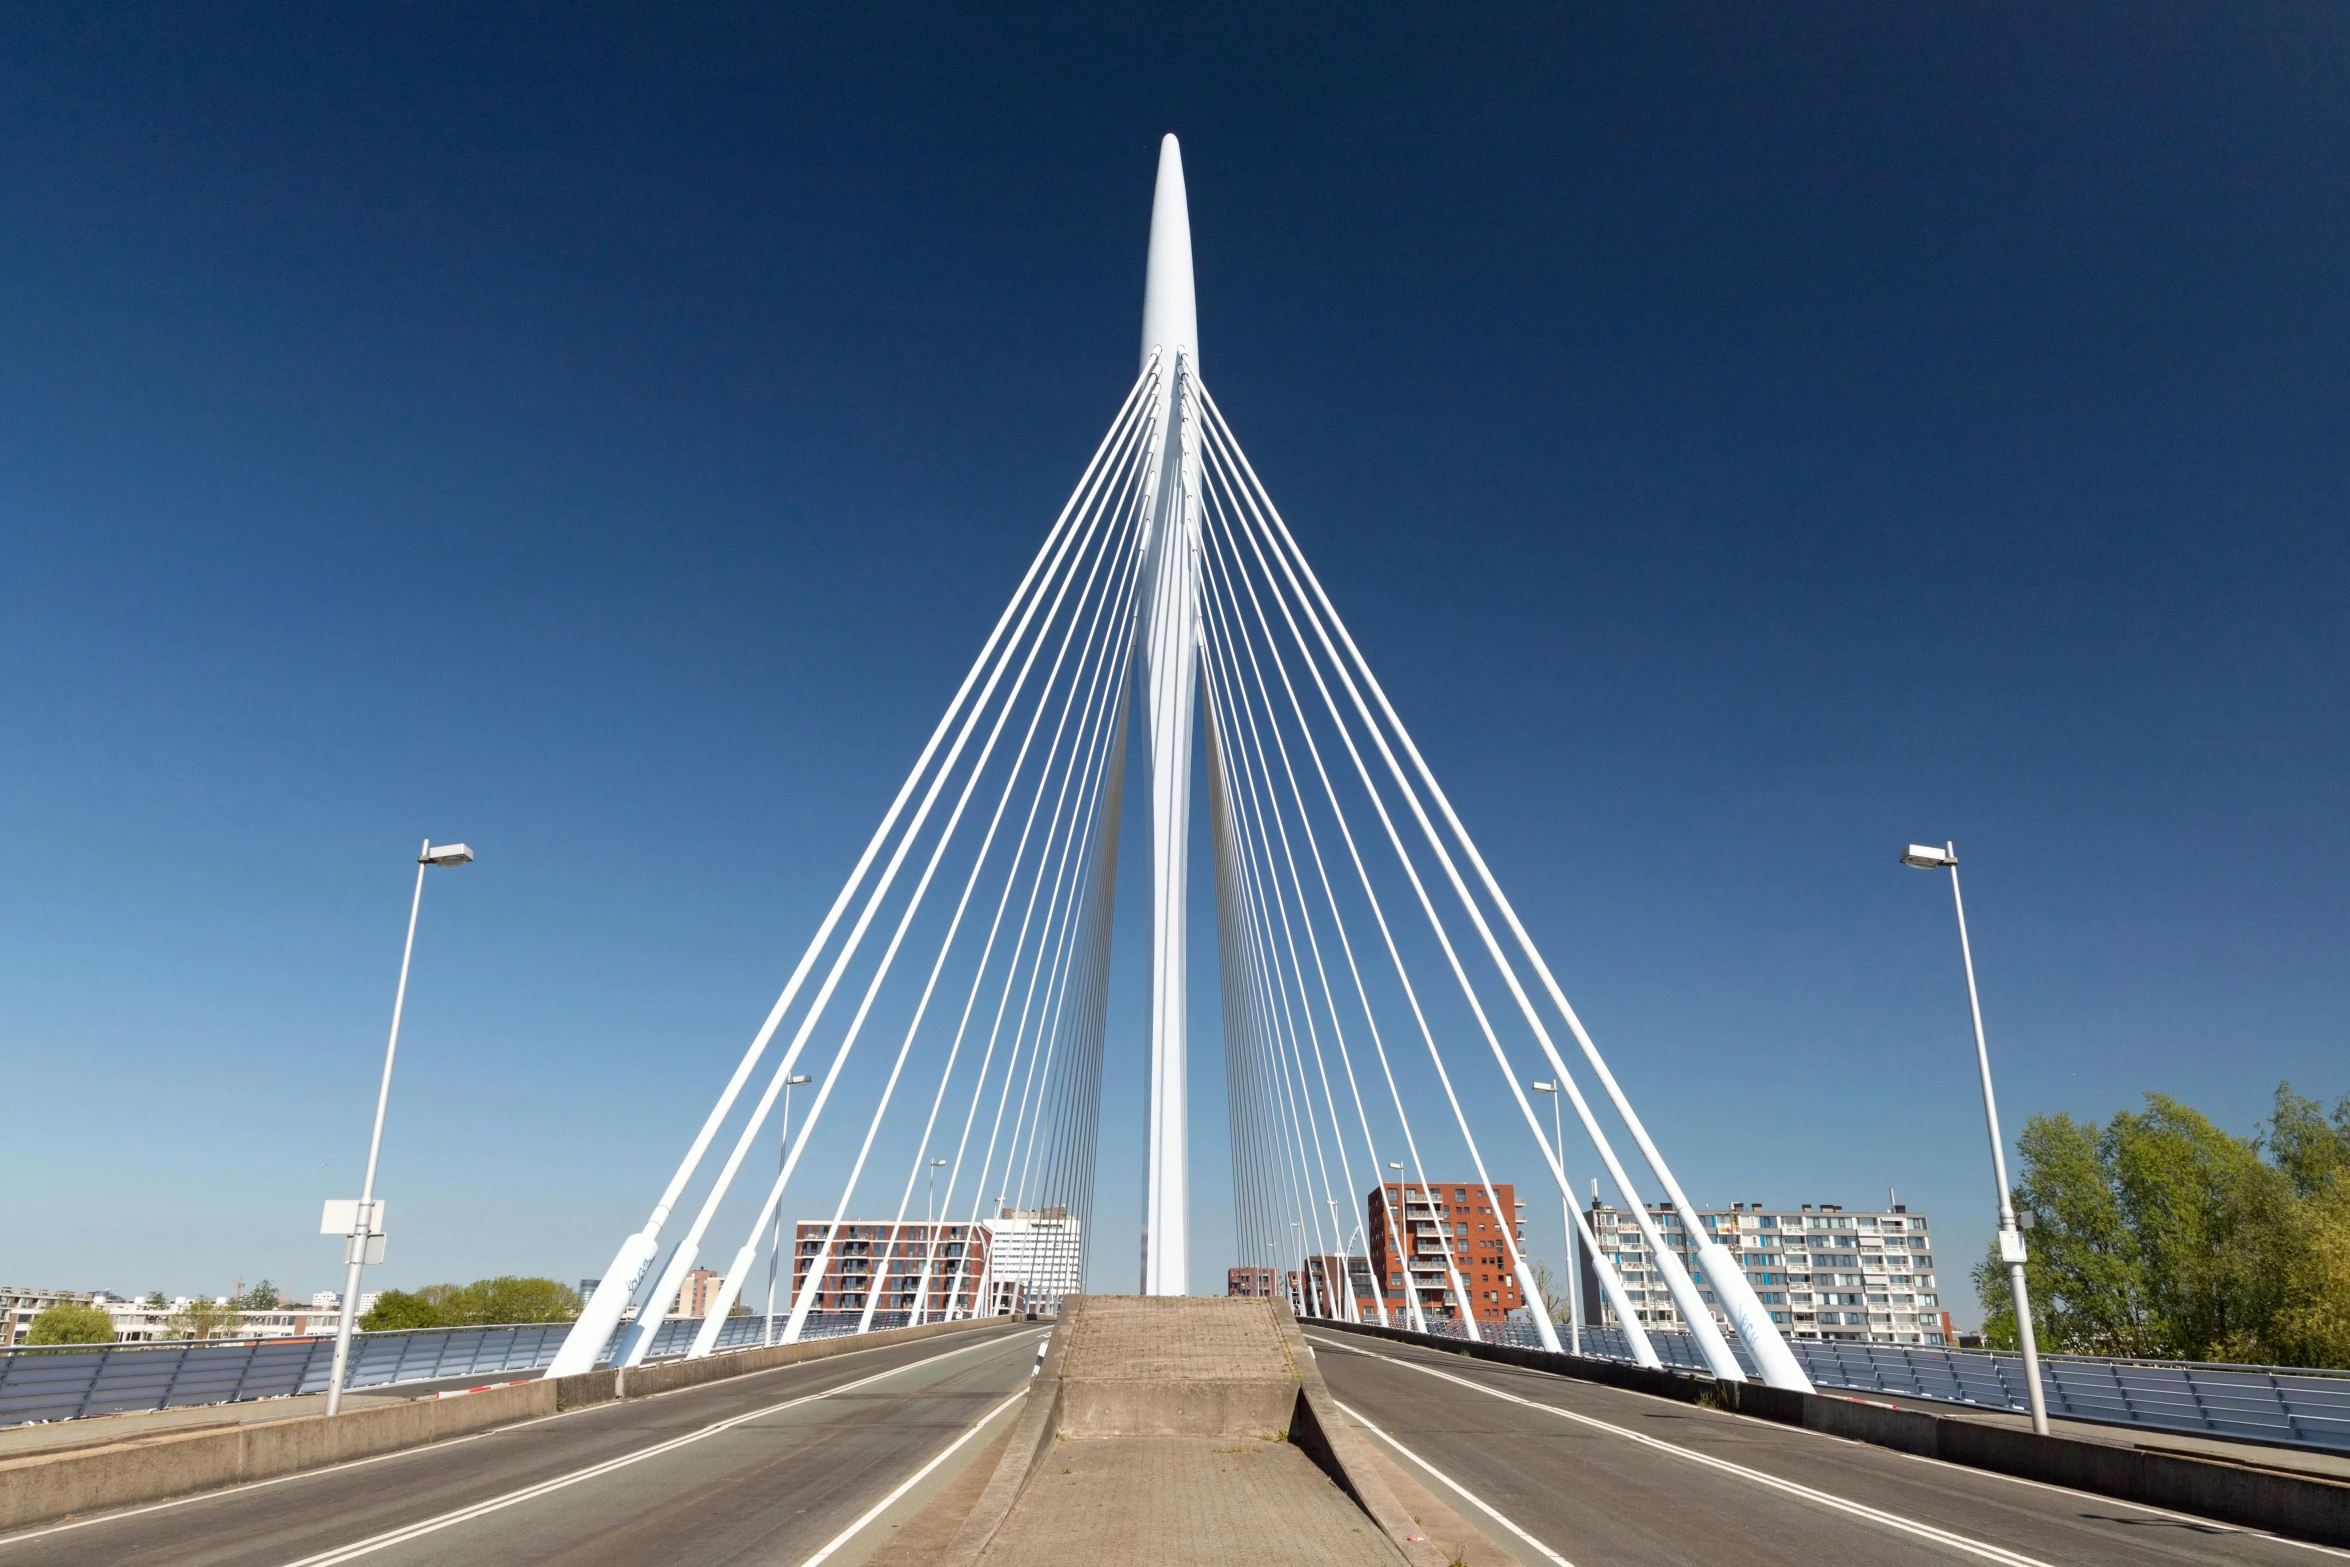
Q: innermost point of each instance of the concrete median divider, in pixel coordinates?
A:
(1189, 1429)
(47, 1488)
(2247, 1492)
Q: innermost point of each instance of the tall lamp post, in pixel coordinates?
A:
(363, 1239)
(930, 1239)
(1567, 1217)
(2011, 1239)
(775, 1245)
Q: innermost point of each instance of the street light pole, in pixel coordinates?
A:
(364, 1228)
(1558, 1141)
(775, 1245)
(2011, 1239)
(929, 1240)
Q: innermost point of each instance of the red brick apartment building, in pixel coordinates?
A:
(1410, 1225)
(1253, 1282)
(866, 1261)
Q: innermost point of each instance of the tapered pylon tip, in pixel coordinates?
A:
(1170, 318)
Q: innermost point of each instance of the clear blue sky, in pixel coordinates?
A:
(1746, 440)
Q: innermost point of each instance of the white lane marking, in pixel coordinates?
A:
(440, 1446)
(2211, 1524)
(1911, 1526)
(911, 1481)
(528, 1493)
(1479, 1502)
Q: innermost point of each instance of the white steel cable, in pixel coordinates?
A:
(1296, 1093)
(1775, 1359)
(1507, 1219)
(1263, 801)
(640, 1340)
(905, 921)
(1114, 647)
(1403, 977)
(1237, 634)
(1250, 839)
(1684, 1292)
(979, 862)
(584, 1345)
(1346, 944)
(1115, 713)
(807, 1293)
(650, 1317)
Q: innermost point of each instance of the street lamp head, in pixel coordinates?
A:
(1928, 858)
(1395, 1164)
(448, 854)
(797, 1080)
(1546, 1088)
(938, 1164)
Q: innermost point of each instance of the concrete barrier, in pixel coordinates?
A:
(45, 1487)
(41, 1488)
(2300, 1507)
(1038, 1427)
(1287, 1401)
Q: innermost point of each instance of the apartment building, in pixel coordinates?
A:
(149, 1322)
(1042, 1250)
(697, 1292)
(18, 1307)
(1256, 1283)
(875, 1258)
(1821, 1272)
(1413, 1226)
(1327, 1283)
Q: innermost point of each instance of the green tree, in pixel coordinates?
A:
(2310, 1150)
(403, 1309)
(67, 1323)
(507, 1298)
(1554, 1295)
(261, 1297)
(2215, 1225)
(155, 1301)
(2313, 1329)
(484, 1302)
(2161, 1234)
(2086, 1275)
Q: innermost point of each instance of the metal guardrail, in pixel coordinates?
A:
(69, 1382)
(2287, 1406)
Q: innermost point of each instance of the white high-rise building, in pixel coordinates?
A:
(1821, 1272)
(1041, 1249)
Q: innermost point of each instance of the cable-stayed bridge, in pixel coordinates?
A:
(952, 1004)
(948, 1020)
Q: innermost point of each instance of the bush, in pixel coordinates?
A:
(68, 1324)
(400, 1309)
(484, 1302)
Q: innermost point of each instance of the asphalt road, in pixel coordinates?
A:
(1597, 1475)
(757, 1469)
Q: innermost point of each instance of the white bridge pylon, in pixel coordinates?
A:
(1340, 868)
